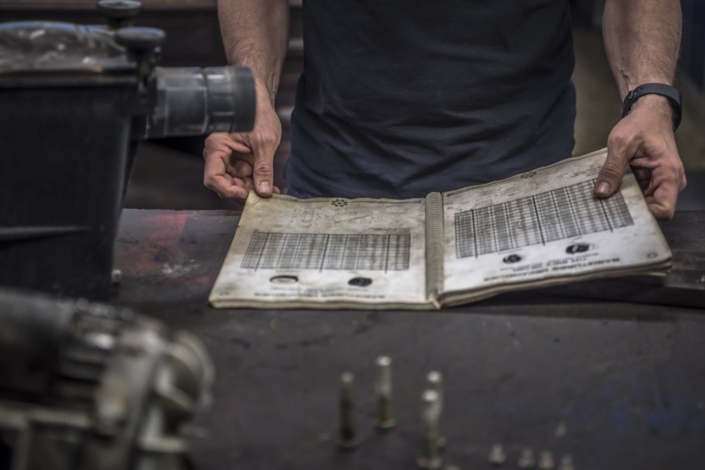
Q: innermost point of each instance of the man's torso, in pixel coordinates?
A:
(401, 98)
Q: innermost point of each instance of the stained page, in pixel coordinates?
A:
(546, 224)
(325, 253)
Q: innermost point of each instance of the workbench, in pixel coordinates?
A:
(617, 385)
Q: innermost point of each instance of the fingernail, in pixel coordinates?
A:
(603, 188)
(265, 187)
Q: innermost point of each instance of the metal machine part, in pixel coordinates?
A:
(180, 101)
(193, 101)
(435, 382)
(430, 458)
(526, 459)
(90, 386)
(383, 388)
(119, 13)
(74, 102)
(348, 426)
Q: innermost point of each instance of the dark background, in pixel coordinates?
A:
(168, 173)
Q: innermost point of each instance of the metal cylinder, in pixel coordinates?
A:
(383, 386)
(435, 382)
(348, 428)
(430, 457)
(195, 101)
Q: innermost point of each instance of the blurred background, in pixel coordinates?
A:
(168, 173)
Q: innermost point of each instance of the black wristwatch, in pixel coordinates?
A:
(672, 93)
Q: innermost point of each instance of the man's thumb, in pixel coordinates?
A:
(610, 177)
(263, 172)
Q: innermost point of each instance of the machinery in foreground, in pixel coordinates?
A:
(87, 386)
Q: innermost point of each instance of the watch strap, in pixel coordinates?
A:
(672, 93)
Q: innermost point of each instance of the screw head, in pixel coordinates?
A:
(566, 463)
(120, 9)
(348, 445)
(429, 464)
(546, 461)
(140, 39)
(526, 459)
(434, 377)
(497, 456)
(384, 361)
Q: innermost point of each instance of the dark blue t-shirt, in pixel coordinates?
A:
(400, 98)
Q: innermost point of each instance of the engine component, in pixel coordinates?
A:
(193, 101)
(74, 101)
(90, 386)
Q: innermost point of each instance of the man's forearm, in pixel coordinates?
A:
(255, 35)
(642, 40)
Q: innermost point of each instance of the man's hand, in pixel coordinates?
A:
(255, 35)
(642, 40)
(237, 163)
(644, 139)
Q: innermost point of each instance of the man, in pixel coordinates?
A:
(401, 98)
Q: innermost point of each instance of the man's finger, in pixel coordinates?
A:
(663, 202)
(667, 181)
(619, 151)
(643, 178)
(215, 179)
(247, 183)
(228, 190)
(222, 142)
(240, 169)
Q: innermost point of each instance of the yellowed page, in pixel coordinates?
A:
(326, 253)
(546, 224)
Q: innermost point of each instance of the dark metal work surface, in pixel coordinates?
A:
(616, 385)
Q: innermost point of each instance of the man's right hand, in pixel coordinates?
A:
(237, 163)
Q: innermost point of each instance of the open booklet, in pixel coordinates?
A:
(536, 229)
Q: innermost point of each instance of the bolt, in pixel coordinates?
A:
(116, 276)
(566, 463)
(385, 418)
(526, 459)
(348, 437)
(497, 456)
(430, 415)
(435, 382)
(546, 461)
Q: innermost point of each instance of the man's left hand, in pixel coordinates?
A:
(644, 139)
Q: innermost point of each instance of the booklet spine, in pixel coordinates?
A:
(434, 246)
